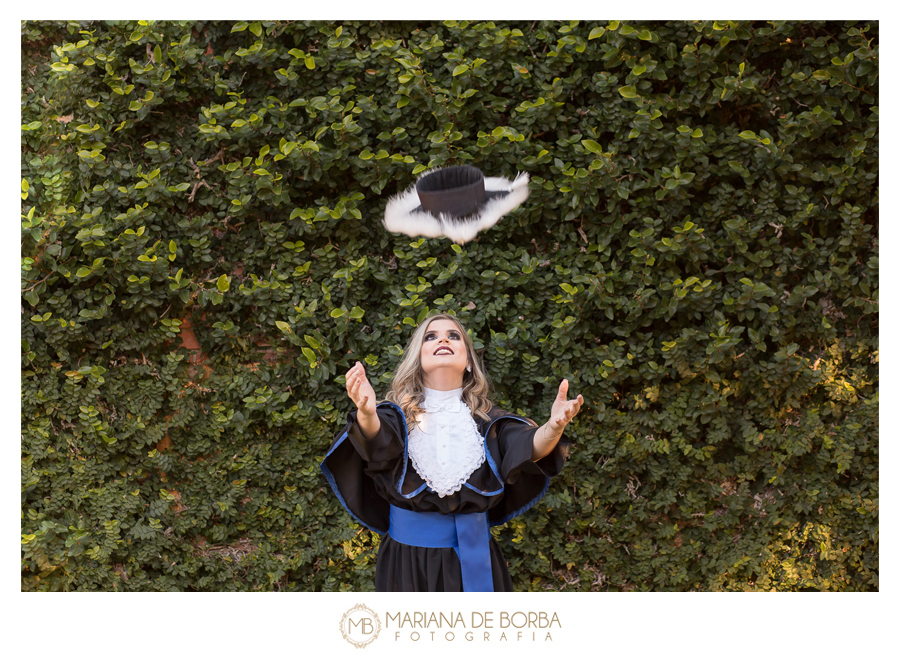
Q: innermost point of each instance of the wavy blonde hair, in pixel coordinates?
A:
(408, 385)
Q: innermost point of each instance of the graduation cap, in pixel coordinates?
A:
(454, 202)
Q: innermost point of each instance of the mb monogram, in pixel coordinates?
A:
(360, 625)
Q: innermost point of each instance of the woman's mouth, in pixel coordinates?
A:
(443, 350)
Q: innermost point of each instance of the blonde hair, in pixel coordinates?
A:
(408, 385)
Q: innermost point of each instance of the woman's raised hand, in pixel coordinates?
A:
(360, 390)
(563, 410)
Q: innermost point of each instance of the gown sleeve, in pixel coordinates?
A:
(352, 459)
(525, 481)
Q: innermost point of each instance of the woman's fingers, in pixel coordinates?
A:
(576, 404)
(569, 411)
(356, 388)
(355, 373)
(562, 390)
(354, 381)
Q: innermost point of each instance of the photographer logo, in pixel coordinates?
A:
(360, 626)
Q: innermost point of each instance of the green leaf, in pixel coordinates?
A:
(356, 313)
(222, 285)
(239, 27)
(310, 62)
(592, 146)
(283, 326)
(338, 312)
(462, 68)
(596, 32)
(628, 92)
(256, 28)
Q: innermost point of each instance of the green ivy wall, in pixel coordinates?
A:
(203, 258)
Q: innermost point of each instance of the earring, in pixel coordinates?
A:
(469, 368)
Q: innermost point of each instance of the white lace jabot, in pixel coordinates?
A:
(446, 446)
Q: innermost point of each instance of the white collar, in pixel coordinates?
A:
(442, 400)
(446, 447)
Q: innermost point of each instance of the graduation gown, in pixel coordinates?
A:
(368, 476)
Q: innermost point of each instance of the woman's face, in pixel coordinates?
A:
(443, 351)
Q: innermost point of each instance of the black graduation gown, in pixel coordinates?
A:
(369, 476)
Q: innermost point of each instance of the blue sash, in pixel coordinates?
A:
(468, 534)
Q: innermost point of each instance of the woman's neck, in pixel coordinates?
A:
(443, 381)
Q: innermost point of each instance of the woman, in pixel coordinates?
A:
(435, 465)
